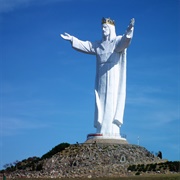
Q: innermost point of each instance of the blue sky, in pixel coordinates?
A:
(47, 88)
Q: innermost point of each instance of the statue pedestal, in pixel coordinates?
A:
(106, 139)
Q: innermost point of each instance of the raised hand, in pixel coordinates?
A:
(131, 24)
(66, 36)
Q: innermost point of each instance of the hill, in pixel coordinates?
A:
(90, 160)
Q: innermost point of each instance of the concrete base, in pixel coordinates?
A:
(106, 141)
(99, 138)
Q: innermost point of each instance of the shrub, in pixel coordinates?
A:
(55, 150)
(137, 173)
(132, 168)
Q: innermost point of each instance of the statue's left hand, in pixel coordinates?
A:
(131, 24)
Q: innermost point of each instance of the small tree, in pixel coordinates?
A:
(159, 154)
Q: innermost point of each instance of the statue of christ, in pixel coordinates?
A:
(110, 81)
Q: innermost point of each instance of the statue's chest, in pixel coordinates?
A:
(105, 52)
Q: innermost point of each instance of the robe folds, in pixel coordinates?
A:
(110, 81)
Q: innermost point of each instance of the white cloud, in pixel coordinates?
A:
(11, 126)
(141, 95)
(157, 106)
(150, 95)
(161, 118)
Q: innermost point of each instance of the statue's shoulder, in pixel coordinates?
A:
(118, 37)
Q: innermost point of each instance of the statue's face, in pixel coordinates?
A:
(105, 30)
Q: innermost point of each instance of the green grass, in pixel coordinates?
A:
(144, 177)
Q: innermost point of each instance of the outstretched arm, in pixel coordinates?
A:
(82, 46)
(124, 41)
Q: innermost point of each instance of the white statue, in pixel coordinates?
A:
(110, 82)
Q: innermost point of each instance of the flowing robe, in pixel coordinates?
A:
(110, 81)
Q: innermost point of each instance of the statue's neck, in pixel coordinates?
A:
(106, 38)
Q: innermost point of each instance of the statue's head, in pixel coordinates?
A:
(108, 28)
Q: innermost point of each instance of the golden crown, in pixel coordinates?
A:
(108, 21)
